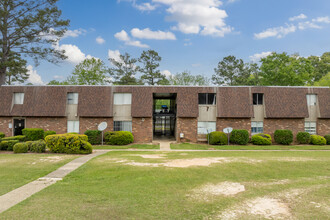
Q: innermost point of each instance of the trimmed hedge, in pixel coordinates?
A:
(94, 136)
(20, 148)
(20, 138)
(8, 145)
(318, 140)
(327, 138)
(284, 137)
(261, 139)
(118, 137)
(68, 143)
(2, 135)
(240, 137)
(218, 138)
(303, 137)
(33, 134)
(49, 133)
(37, 146)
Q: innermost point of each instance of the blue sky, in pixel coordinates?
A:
(189, 35)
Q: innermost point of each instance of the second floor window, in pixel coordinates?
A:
(311, 99)
(72, 98)
(18, 98)
(122, 98)
(258, 99)
(206, 99)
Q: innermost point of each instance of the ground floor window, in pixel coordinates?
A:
(310, 127)
(257, 127)
(122, 126)
(73, 126)
(205, 127)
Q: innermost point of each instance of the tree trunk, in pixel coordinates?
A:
(3, 76)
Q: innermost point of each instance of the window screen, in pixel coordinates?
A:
(122, 126)
(73, 126)
(122, 99)
(72, 98)
(258, 98)
(205, 127)
(18, 98)
(257, 127)
(310, 127)
(311, 99)
(206, 98)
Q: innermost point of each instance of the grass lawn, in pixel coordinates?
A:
(150, 185)
(188, 146)
(19, 169)
(130, 146)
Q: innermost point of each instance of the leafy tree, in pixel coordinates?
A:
(254, 74)
(324, 81)
(150, 74)
(124, 70)
(185, 78)
(89, 72)
(284, 70)
(230, 71)
(321, 66)
(55, 82)
(28, 27)
(16, 69)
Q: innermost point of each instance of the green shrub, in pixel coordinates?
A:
(20, 138)
(37, 146)
(218, 138)
(33, 134)
(303, 138)
(68, 143)
(2, 135)
(240, 137)
(283, 137)
(318, 140)
(46, 133)
(327, 138)
(261, 139)
(118, 137)
(8, 145)
(94, 136)
(20, 148)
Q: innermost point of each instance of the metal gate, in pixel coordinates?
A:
(164, 125)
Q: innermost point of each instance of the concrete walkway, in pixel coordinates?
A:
(164, 145)
(18, 195)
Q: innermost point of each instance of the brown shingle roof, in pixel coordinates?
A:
(323, 95)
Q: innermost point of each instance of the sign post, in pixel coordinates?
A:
(102, 126)
(227, 131)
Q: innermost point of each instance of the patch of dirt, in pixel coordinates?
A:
(139, 164)
(150, 156)
(191, 162)
(52, 159)
(292, 159)
(183, 154)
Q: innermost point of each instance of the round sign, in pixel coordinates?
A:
(227, 130)
(102, 126)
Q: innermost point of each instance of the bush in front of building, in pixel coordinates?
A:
(68, 143)
(118, 137)
(318, 140)
(261, 139)
(217, 138)
(303, 137)
(49, 133)
(37, 146)
(239, 136)
(19, 138)
(327, 138)
(33, 134)
(2, 135)
(20, 148)
(94, 136)
(8, 145)
(284, 136)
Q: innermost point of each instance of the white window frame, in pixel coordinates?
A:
(310, 127)
(259, 127)
(18, 98)
(311, 99)
(73, 126)
(205, 127)
(122, 98)
(72, 98)
(122, 126)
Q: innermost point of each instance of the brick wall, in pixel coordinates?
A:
(142, 130)
(323, 126)
(59, 125)
(235, 123)
(92, 124)
(188, 126)
(4, 126)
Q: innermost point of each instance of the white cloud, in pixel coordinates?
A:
(325, 19)
(307, 25)
(74, 54)
(100, 40)
(34, 77)
(58, 77)
(74, 33)
(277, 32)
(298, 17)
(197, 17)
(153, 35)
(123, 36)
(144, 6)
(195, 64)
(114, 54)
(256, 57)
(167, 73)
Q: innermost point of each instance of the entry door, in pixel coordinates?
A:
(19, 125)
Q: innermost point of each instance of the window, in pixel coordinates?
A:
(72, 98)
(311, 99)
(122, 126)
(258, 98)
(73, 126)
(205, 127)
(257, 127)
(18, 98)
(206, 98)
(122, 99)
(310, 127)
